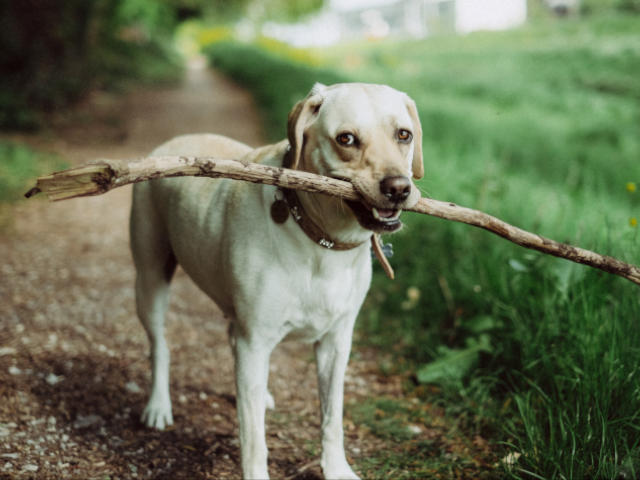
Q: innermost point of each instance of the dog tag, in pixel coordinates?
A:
(279, 211)
(377, 247)
(385, 248)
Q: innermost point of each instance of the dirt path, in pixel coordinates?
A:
(73, 357)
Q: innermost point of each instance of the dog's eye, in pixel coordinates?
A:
(346, 139)
(404, 136)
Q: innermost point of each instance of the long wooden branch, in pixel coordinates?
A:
(100, 177)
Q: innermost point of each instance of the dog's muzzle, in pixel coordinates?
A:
(380, 220)
(395, 190)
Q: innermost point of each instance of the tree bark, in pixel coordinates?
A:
(102, 176)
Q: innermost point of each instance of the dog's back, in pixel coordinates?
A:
(164, 210)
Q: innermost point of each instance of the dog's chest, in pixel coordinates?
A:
(329, 292)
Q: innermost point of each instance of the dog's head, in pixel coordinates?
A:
(367, 134)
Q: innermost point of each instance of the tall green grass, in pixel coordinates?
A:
(538, 127)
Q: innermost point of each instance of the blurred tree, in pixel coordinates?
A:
(155, 17)
(259, 10)
(222, 10)
(43, 45)
(51, 51)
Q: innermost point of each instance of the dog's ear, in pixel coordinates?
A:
(317, 88)
(299, 117)
(417, 166)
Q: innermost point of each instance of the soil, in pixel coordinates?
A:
(74, 370)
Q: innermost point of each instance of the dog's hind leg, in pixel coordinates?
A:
(152, 295)
(155, 265)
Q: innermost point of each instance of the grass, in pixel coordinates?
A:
(19, 166)
(538, 127)
(422, 443)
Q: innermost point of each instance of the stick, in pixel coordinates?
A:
(451, 211)
(104, 175)
(100, 177)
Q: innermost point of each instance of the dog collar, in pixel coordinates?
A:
(286, 202)
(290, 203)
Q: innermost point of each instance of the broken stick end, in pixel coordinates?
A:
(92, 179)
(32, 192)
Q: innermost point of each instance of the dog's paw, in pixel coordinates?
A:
(338, 470)
(350, 475)
(270, 403)
(157, 415)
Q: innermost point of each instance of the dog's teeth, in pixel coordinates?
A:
(376, 214)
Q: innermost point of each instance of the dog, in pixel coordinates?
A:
(280, 264)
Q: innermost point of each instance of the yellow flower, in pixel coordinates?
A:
(413, 294)
(631, 187)
(633, 221)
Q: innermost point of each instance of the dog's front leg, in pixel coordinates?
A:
(252, 371)
(332, 356)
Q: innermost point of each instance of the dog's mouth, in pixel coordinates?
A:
(376, 219)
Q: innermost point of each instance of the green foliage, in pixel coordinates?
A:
(387, 418)
(211, 35)
(454, 364)
(422, 443)
(219, 11)
(538, 127)
(592, 7)
(53, 52)
(229, 11)
(19, 165)
(281, 49)
(150, 17)
(286, 10)
(276, 82)
(207, 36)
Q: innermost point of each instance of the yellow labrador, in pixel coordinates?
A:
(278, 263)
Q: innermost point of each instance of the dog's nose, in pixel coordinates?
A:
(396, 189)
